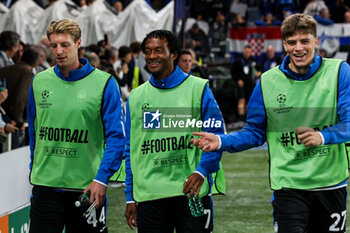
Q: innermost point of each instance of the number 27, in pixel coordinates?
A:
(335, 226)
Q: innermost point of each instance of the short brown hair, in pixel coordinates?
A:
(185, 51)
(64, 26)
(298, 23)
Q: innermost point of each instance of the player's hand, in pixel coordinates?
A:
(208, 141)
(10, 128)
(130, 215)
(309, 137)
(98, 193)
(193, 184)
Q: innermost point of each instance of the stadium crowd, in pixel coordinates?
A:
(204, 38)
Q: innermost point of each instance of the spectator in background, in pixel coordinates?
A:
(108, 61)
(123, 70)
(314, 7)
(238, 21)
(323, 17)
(188, 64)
(43, 64)
(81, 52)
(271, 60)
(135, 47)
(116, 6)
(185, 61)
(199, 40)
(93, 59)
(126, 59)
(268, 20)
(6, 125)
(96, 49)
(245, 71)
(9, 45)
(319, 10)
(18, 79)
(102, 45)
(197, 67)
(45, 43)
(141, 74)
(17, 57)
(217, 37)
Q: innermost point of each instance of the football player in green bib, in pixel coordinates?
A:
(301, 108)
(76, 127)
(161, 164)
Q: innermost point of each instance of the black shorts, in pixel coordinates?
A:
(51, 211)
(245, 92)
(301, 211)
(165, 215)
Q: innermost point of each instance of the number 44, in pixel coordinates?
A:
(93, 220)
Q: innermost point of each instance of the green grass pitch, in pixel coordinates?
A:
(245, 208)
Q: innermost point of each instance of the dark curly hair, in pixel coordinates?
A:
(173, 42)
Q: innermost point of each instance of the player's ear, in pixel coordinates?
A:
(173, 56)
(284, 45)
(79, 43)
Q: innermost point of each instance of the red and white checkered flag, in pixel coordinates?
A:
(256, 40)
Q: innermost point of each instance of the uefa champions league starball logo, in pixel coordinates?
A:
(281, 98)
(282, 107)
(45, 102)
(45, 94)
(145, 107)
